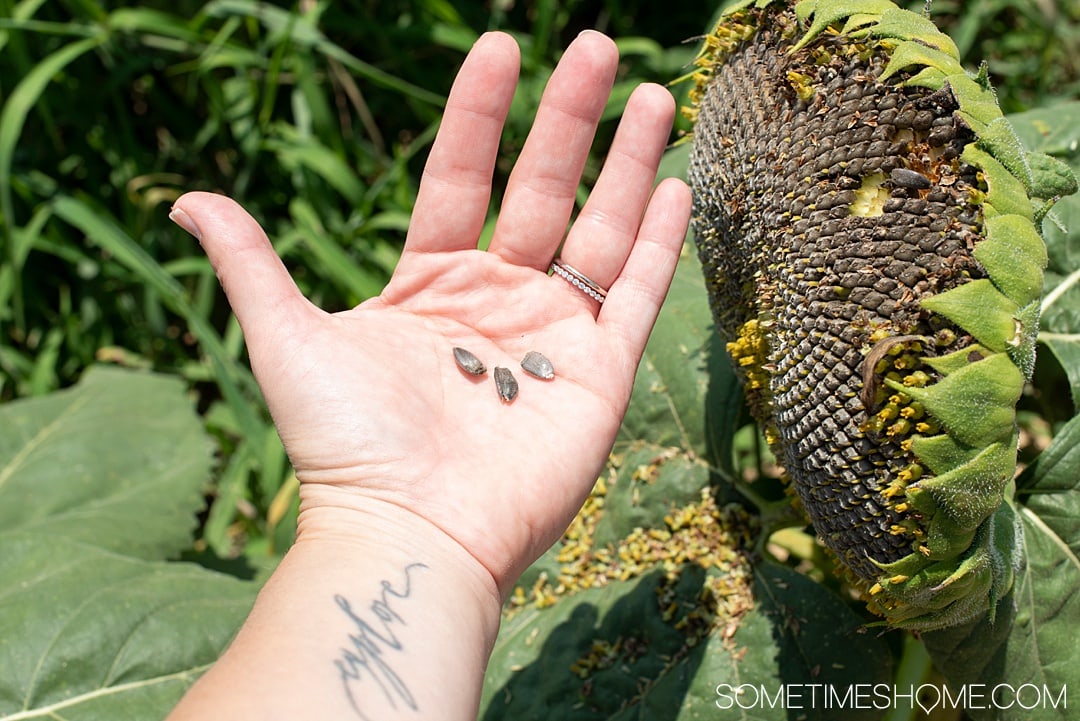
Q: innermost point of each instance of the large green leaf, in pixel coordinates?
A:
(797, 634)
(1050, 487)
(531, 672)
(88, 635)
(815, 638)
(646, 484)
(119, 461)
(98, 484)
(668, 404)
(1051, 130)
(724, 407)
(1030, 648)
(652, 645)
(643, 483)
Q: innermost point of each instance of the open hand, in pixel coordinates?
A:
(377, 418)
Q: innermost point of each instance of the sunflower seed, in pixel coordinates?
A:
(907, 178)
(468, 362)
(505, 384)
(535, 364)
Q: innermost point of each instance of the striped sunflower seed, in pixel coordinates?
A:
(506, 384)
(535, 364)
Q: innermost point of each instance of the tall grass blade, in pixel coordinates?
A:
(20, 242)
(322, 162)
(12, 118)
(278, 20)
(335, 261)
(146, 21)
(232, 378)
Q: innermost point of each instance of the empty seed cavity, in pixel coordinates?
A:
(468, 362)
(506, 384)
(535, 364)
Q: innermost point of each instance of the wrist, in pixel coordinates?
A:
(342, 523)
(374, 613)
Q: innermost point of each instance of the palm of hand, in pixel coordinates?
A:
(372, 408)
(372, 398)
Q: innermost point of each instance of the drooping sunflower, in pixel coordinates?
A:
(868, 224)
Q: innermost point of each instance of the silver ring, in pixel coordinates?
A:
(577, 279)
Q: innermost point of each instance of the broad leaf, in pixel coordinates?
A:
(675, 162)
(643, 483)
(532, 671)
(648, 482)
(668, 404)
(1052, 130)
(90, 635)
(119, 461)
(815, 639)
(1050, 487)
(798, 638)
(649, 668)
(724, 410)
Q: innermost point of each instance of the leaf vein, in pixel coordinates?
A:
(41, 437)
(104, 692)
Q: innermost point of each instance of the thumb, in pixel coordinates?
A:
(260, 290)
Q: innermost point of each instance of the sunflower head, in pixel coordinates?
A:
(868, 225)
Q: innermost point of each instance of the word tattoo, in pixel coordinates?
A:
(364, 660)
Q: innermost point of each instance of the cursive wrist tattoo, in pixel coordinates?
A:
(367, 660)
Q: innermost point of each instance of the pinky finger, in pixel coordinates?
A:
(633, 302)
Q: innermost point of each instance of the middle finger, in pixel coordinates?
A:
(543, 185)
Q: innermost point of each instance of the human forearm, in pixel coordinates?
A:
(382, 621)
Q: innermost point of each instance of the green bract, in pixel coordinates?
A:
(868, 223)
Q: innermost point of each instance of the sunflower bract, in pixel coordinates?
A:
(867, 222)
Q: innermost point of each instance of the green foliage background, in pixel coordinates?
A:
(317, 116)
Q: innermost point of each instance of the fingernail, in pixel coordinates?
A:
(184, 220)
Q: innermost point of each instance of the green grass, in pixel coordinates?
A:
(317, 116)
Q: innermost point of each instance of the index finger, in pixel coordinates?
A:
(452, 202)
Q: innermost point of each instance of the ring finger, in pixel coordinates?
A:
(605, 231)
(541, 190)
